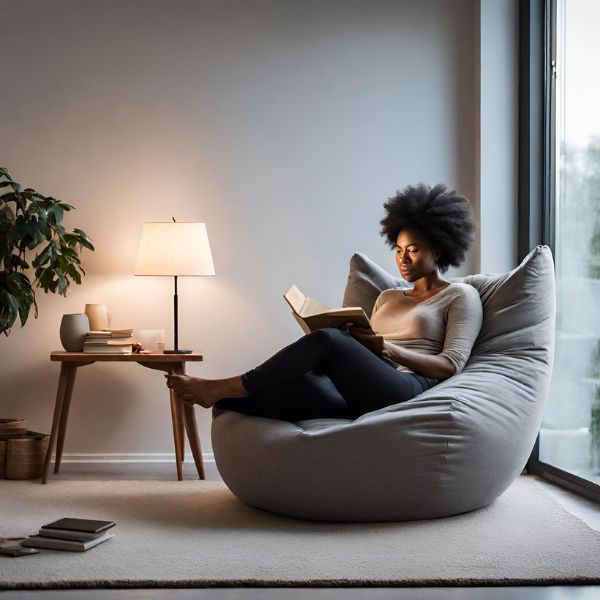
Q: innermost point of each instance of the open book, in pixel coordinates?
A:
(312, 315)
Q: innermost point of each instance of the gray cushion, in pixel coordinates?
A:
(366, 280)
(454, 448)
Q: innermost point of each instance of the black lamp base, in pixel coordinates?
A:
(175, 322)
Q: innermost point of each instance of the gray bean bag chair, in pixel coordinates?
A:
(454, 448)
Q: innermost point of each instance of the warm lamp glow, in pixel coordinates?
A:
(174, 249)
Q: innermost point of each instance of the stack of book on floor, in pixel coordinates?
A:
(77, 535)
(109, 341)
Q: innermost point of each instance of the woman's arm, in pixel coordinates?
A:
(464, 320)
(427, 365)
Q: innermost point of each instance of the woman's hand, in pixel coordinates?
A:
(372, 341)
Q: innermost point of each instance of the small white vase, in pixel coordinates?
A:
(73, 329)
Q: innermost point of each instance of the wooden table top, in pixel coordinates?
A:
(157, 357)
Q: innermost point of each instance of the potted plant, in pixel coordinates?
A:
(31, 223)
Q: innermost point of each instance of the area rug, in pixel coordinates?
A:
(198, 534)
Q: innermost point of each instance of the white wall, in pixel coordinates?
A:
(498, 135)
(283, 126)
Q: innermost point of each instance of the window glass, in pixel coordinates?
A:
(570, 433)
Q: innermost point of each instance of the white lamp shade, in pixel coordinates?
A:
(174, 249)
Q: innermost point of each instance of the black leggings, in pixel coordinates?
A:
(326, 373)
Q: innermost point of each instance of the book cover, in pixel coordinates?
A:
(68, 534)
(107, 335)
(37, 541)
(108, 349)
(120, 331)
(312, 314)
(75, 524)
(108, 342)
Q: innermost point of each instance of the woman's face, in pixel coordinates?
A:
(414, 255)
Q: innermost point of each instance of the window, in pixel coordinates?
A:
(569, 439)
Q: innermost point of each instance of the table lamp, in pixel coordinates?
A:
(174, 249)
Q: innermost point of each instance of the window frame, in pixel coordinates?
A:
(537, 169)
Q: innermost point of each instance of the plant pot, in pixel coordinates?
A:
(73, 329)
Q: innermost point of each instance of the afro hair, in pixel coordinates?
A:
(442, 215)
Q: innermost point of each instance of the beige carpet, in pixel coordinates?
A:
(197, 534)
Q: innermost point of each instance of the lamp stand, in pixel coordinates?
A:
(176, 350)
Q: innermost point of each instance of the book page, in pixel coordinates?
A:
(303, 305)
(312, 314)
(312, 307)
(295, 298)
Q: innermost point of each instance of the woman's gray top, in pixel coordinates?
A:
(445, 324)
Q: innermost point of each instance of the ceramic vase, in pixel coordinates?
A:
(98, 316)
(73, 329)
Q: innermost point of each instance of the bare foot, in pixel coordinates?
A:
(192, 390)
(205, 392)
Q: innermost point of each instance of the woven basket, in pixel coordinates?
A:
(10, 426)
(22, 456)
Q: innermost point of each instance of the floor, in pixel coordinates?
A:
(584, 509)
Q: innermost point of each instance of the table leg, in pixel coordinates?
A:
(64, 414)
(187, 422)
(60, 394)
(176, 434)
(178, 426)
(184, 420)
(180, 370)
(194, 438)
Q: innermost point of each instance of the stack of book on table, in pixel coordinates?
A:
(109, 341)
(77, 535)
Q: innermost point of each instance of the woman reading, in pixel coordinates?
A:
(420, 336)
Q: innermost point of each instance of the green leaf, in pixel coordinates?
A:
(71, 240)
(72, 271)
(20, 287)
(17, 262)
(13, 184)
(14, 235)
(9, 309)
(7, 213)
(69, 252)
(47, 281)
(11, 197)
(45, 230)
(58, 213)
(63, 285)
(84, 240)
(38, 239)
(44, 256)
(21, 200)
(44, 278)
(24, 308)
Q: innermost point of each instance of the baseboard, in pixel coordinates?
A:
(146, 457)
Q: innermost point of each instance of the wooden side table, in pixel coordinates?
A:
(182, 415)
